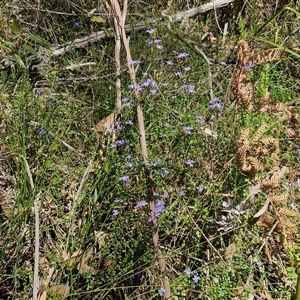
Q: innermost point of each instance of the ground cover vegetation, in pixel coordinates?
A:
(208, 208)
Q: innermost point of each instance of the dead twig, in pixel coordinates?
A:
(96, 36)
(36, 285)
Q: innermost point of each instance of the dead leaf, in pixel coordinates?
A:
(208, 131)
(43, 296)
(60, 289)
(98, 19)
(100, 237)
(263, 209)
(105, 124)
(229, 252)
(254, 190)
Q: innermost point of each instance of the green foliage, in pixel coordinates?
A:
(96, 230)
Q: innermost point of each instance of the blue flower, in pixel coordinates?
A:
(158, 210)
(153, 164)
(124, 179)
(39, 91)
(115, 212)
(200, 189)
(182, 55)
(161, 292)
(141, 203)
(132, 62)
(187, 69)
(42, 131)
(169, 62)
(215, 103)
(190, 163)
(200, 119)
(181, 193)
(150, 31)
(188, 271)
(129, 164)
(190, 88)
(77, 24)
(120, 143)
(187, 129)
(159, 47)
(178, 74)
(196, 278)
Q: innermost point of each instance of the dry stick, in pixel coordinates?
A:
(121, 29)
(35, 288)
(96, 36)
(118, 67)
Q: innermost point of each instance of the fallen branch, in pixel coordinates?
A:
(96, 36)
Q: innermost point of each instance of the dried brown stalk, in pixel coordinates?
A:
(119, 21)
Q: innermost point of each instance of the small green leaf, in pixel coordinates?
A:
(16, 27)
(39, 40)
(98, 19)
(29, 49)
(16, 59)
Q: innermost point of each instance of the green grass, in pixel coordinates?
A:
(87, 211)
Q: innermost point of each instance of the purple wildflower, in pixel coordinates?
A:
(163, 172)
(187, 69)
(190, 163)
(159, 208)
(187, 129)
(124, 179)
(164, 83)
(129, 164)
(182, 55)
(153, 164)
(132, 62)
(77, 24)
(141, 203)
(150, 31)
(223, 63)
(164, 196)
(200, 189)
(129, 156)
(159, 47)
(129, 122)
(149, 42)
(249, 67)
(120, 143)
(170, 63)
(200, 119)
(42, 131)
(156, 41)
(178, 74)
(52, 103)
(188, 271)
(153, 92)
(149, 82)
(215, 103)
(39, 91)
(196, 278)
(181, 193)
(190, 88)
(161, 292)
(115, 212)
(167, 125)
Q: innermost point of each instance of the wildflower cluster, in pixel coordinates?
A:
(215, 103)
